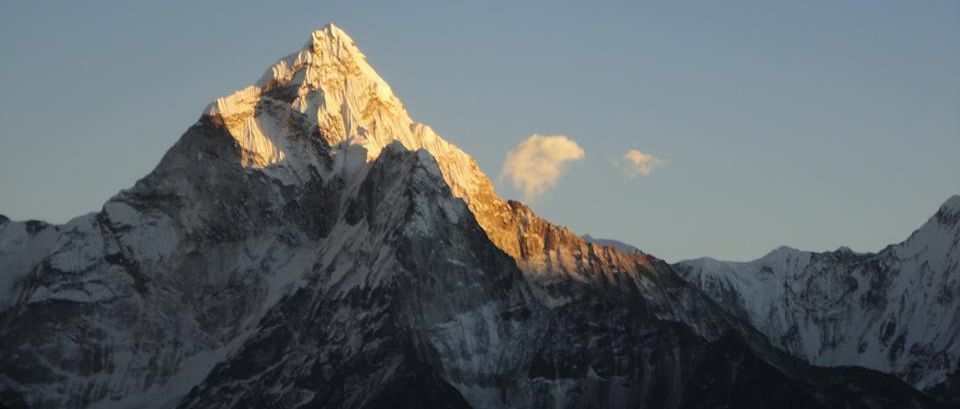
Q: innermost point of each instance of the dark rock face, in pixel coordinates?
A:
(611, 354)
(948, 392)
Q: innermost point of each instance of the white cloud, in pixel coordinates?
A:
(535, 165)
(637, 163)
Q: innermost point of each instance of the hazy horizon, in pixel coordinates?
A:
(808, 125)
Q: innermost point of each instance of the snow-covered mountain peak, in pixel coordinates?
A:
(337, 44)
(895, 310)
(780, 252)
(331, 30)
(334, 56)
(939, 235)
(784, 255)
(301, 246)
(328, 90)
(949, 212)
(952, 203)
(327, 86)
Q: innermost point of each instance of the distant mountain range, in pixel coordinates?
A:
(306, 244)
(896, 311)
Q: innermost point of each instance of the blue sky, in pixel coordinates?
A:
(812, 124)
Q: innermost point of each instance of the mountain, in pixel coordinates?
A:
(306, 244)
(896, 311)
(619, 245)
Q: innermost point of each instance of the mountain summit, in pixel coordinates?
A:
(328, 90)
(330, 87)
(305, 244)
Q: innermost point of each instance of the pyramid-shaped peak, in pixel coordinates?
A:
(331, 30)
(331, 34)
(333, 89)
(331, 47)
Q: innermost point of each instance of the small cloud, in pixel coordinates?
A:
(636, 163)
(536, 163)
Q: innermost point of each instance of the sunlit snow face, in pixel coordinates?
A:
(332, 87)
